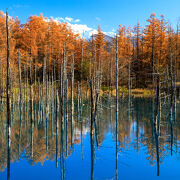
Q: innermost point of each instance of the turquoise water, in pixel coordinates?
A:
(41, 152)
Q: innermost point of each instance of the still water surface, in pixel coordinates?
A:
(42, 151)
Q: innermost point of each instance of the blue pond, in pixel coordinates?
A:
(50, 149)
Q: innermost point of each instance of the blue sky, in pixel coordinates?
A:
(108, 13)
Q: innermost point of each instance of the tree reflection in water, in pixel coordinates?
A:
(132, 130)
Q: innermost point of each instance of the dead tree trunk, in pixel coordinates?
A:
(8, 101)
(72, 101)
(117, 75)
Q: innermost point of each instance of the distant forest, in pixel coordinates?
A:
(42, 43)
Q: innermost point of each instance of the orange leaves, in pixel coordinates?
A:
(156, 39)
(41, 37)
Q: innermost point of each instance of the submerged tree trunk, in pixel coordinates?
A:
(8, 103)
(117, 75)
(72, 102)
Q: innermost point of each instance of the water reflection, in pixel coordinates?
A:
(117, 139)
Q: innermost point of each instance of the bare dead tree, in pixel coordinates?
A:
(8, 100)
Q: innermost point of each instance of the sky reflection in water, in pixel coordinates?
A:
(136, 147)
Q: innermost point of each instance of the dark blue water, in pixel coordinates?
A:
(52, 155)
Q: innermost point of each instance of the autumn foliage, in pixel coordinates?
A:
(146, 50)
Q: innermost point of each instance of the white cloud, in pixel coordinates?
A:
(69, 19)
(82, 29)
(60, 19)
(77, 20)
(98, 19)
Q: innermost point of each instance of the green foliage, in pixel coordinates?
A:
(85, 69)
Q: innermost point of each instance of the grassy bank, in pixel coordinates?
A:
(123, 92)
